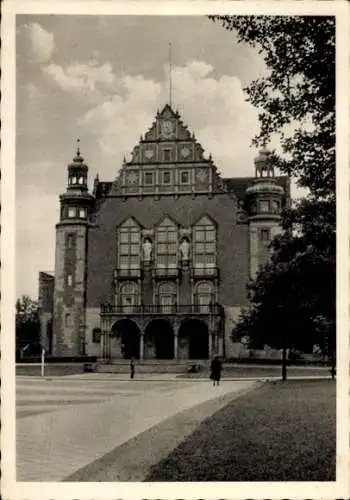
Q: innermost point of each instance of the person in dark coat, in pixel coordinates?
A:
(132, 368)
(215, 368)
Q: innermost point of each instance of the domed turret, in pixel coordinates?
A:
(76, 202)
(77, 172)
(265, 194)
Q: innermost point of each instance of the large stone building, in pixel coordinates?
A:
(154, 265)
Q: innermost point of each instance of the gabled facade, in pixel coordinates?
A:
(154, 265)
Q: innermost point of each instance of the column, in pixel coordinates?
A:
(142, 355)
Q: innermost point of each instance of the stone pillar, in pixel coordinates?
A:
(102, 344)
(142, 355)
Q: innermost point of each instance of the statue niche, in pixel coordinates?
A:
(185, 250)
(147, 250)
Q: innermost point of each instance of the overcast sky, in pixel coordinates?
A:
(102, 79)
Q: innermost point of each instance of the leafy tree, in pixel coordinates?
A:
(296, 102)
(27, 325)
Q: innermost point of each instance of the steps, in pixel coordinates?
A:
(151, 366)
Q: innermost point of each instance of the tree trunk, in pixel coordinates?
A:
(284, 362)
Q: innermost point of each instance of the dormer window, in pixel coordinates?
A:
(184, 177)
(72, 212)
(166, 177)
(166, 155)
(149, 178)
(82, 213)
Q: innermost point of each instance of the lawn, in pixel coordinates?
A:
(261, 371)
(283, 431)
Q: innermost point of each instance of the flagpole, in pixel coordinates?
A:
(170, 76)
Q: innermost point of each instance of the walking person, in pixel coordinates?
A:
(132, 368)
(215, 370)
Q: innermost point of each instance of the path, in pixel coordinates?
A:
(64, 424)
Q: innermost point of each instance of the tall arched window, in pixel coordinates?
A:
(166, 244)
(166, 296)
(204, 295)
(128, 296)
(204, 248)
(129, 245)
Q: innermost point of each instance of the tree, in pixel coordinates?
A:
(296, 102)
(27, 325)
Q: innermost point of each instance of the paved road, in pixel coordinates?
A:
(65, 424)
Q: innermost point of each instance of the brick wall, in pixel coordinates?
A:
(232, 240)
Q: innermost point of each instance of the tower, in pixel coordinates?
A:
(76, 205)
(265, 204)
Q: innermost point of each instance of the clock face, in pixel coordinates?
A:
(167, 128)
(185, 152)
(149, 154)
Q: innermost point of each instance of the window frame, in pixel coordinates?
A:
(148, 173)
(181, 182)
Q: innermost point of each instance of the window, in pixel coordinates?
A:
(96, 335)
(204, 296)
(72, 212)
(275, 206)
(67, 320)
(81, 180)
(166, 248)
(149, 178)
(167, 297)
(74, 180)
(129, 243)
(184, 177)
(128, 296)
(264, 206)
(70, 240)
(69, 280)
(204, 244)
(82, 213)
(166, 177)
(166, 154)
(265, 235)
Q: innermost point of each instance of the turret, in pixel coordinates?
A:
(70, 263)
(76, 202)
(265, 204)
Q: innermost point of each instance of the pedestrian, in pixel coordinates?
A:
(215, 370)
(132, 368)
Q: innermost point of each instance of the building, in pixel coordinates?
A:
(154, 265)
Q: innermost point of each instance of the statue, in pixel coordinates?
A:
(147, 250)
(185, 250)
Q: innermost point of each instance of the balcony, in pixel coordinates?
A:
(127, 273)
(165, 272)
(151, 310)
(204, 272)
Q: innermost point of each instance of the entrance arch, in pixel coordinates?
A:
(197, 334)
(129, 334)
(161, 334)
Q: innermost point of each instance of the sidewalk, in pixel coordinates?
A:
(52, 446)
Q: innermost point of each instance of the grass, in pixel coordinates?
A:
(283, 431)
(51, 370)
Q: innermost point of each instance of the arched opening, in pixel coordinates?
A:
(196, 333)
(160, 333)
(129, 335)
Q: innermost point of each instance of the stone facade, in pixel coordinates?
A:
(155, 264)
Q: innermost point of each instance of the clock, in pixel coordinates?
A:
(167, 128)
(185, 152)
(149, 153)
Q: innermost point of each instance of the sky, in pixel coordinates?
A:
(101, 79)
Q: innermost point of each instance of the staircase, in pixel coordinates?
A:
(151, 366)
